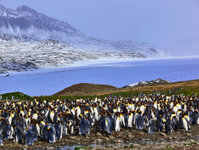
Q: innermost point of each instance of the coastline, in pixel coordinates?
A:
(92, 63)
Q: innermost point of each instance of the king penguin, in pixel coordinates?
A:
(51, 134)
(8, 132)
(1, 138)
(17, 135)
(109, 123)
(151, 126)
(84, 126)
(160, 123)
(168, 126)
(29, 137)
(45, 131)
(139, 123)
(59, 130)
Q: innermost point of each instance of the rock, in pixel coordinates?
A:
(111, 137)
(141, 133)
(130, 136)
(121, 134)
(87, 136)
(98, 134)
(106, 138)
(92, 138)
(72, 137)
(99, 141)
(192, 141)
(119, 141)
(163, 134)
(188, 134)
(170, 137)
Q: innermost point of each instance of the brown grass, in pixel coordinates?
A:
(85, 89)
(193, 83)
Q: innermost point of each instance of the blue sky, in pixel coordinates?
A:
(169, 24)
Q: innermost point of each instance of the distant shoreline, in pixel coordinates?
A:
(118, 74)
(90, 63)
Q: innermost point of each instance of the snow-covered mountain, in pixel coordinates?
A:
(152, 82)
(31, 40)
(26, 21)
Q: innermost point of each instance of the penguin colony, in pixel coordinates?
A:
(27, 121)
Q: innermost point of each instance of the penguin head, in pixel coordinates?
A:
(42, 122)
(139, 111)
(2, 119)
(80, 116)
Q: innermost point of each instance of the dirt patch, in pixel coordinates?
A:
(127, 138)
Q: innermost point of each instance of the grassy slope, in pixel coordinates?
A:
(85, 89)
(17, 95)
(186, 87)
(93, 90)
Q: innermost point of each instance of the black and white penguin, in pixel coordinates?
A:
(136, 115)
(1, 137)
(101, 123)
(139, 123)
(70, 127)
(41, 126)
(184, 122)
(117, 123)
(34, 131)
(109, 123)
(65, 129)
(51, 134)
(45, 131)
(17, 135)
(168, 126)
(59, 130)
(130, 120)
(122, 120)
(151, 126)
(195, 117)
(174, 121)
(51, 116)
(8, 132)
(29, 137)
(160, 123)
(84, 126)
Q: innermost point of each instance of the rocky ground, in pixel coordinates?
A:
(126, 139)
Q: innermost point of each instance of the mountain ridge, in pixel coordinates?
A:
(152, 82)
(30, 37)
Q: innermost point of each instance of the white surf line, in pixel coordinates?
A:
(91, 63)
